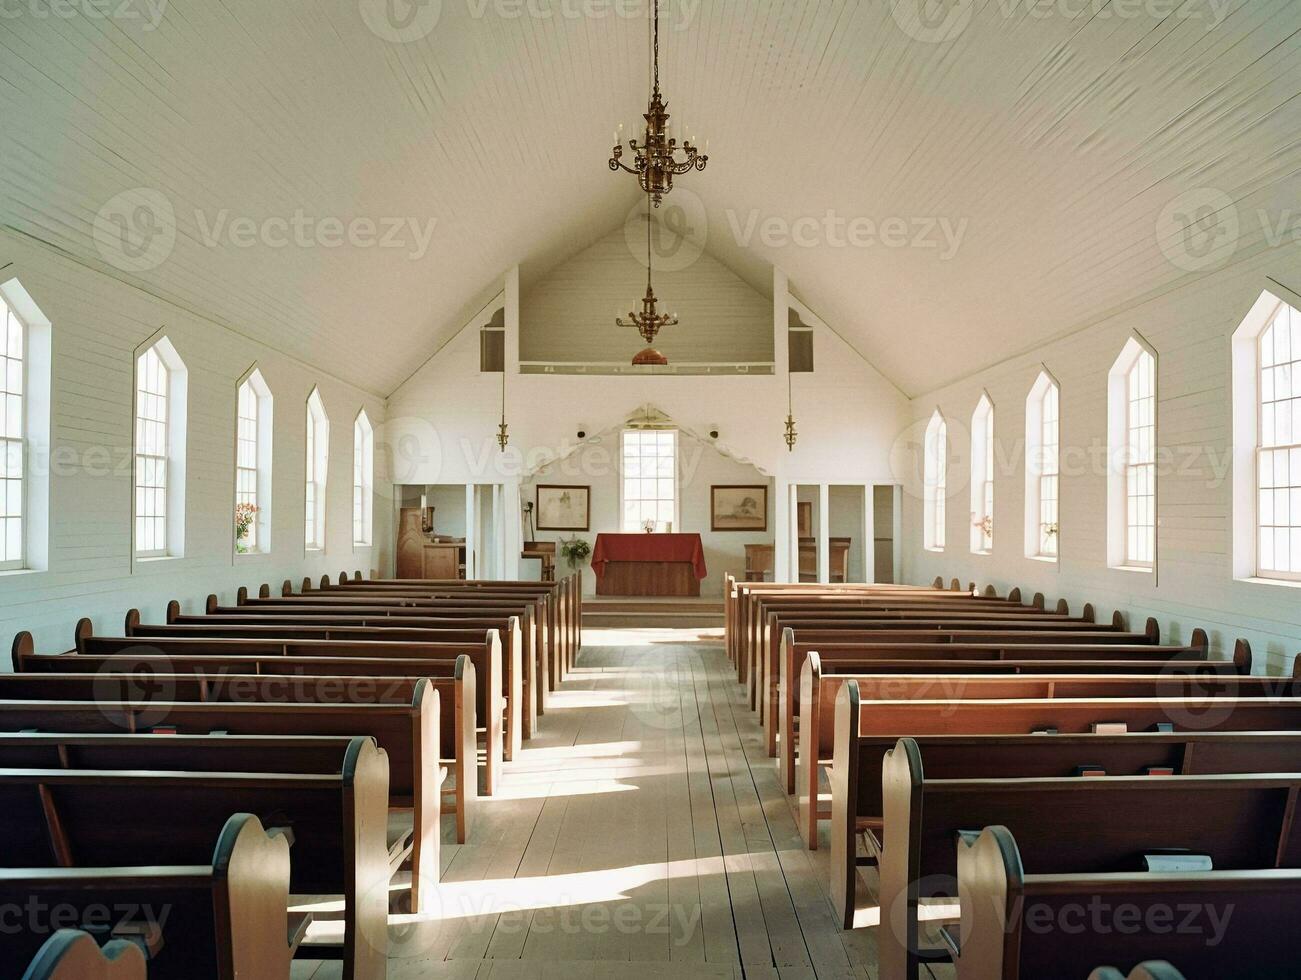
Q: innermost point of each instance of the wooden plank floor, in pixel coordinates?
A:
(643, 833)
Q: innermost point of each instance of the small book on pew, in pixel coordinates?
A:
(1165, 862)
(1110, 728)
(1090, 771)
(163, 730)
(1158, 770)
(1043, 731)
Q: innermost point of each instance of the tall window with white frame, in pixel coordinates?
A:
(246, 460)
(982, 477)
(1140, 462)
(935, 482)
(363, 480)
(318, 450)
(151, 455)
(13, 477)
(650, 484)
(1278, 515)
(1042, 468)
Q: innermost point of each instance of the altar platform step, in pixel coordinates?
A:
(668, 613)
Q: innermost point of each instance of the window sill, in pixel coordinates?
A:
(251, 554)
(314, 551)
(1141, 569)
(1285, 583)
(1046, 559)
(983, 554)
(14, 572)
(936, 551)
(155, 559)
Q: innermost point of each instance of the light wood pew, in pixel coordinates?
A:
(226, 916)
(73, 955)
(1225, 924)
(934, 629)
(1065, 824)
(309, 628)
(494, 709)
(403, 714)
(817, 718)
(337, 822)
(546, 643)
(776, 688)
(514, 665)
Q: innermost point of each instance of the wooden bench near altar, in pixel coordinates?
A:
(648, 564)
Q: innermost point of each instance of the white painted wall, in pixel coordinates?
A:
(700, 466)
(1193, 585)
(97, 324)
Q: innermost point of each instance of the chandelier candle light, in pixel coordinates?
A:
(655, 159)
(791, 434)
(649, 321)
(503, 436)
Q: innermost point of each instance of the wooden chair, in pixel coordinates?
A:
(545, 551)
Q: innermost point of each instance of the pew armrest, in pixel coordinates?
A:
(949, 935)
(299, 923)
(147, 935)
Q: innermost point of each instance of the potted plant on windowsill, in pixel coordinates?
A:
(575, 550)
(245, 515)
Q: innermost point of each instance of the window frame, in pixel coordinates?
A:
(264, 457)
(1038, 474)
(982, 476)
(363, 480)
(163, 458)
(1293, 448)
(1132, 466)
(316, 466)
(935, 477)
(625, 499)
(24, 456)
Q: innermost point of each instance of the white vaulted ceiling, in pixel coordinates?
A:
(1052, 133)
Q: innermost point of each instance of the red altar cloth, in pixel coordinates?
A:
(649, 547)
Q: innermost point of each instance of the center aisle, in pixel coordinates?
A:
(643, 833)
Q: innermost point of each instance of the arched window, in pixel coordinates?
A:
(253, 436)
(1042, 468)
(317, 465)
(160, 415)
(363, 479)
(1131, 451)
(935, 481)
(24, 430)
(982, 476)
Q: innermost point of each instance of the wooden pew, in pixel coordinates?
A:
(515, 666)
(777, 690)
(819, 694)
(226, 914)
(308, 628)
(1152, 970)
(73, 955)
(338, 822)
(1226, 924)
(1065, 824)
(495, 711)
(410, 727)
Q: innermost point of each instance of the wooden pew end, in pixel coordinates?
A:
(241, 596)
(83, 631)
(74, 955)
(264, 591)
(210, 606)
(1014, 597)
(173, 611)
(1063, 608)
(1090, 615)
(1152, 630)
(286, 588)
(132, 622)
(1038, 600)
(1242, 656)
(24, 647)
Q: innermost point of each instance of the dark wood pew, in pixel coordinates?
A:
(152, 691)
(494, 709)
(1151, 970)
(817, 717)
(1229, 924)
(337, 822)
(73, 955)
(1076, 824)
(934, 658)
(226, 915)
(326, 628)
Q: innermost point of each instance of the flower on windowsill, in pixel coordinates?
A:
(245, 515)
(1050, 530)
(986, 525)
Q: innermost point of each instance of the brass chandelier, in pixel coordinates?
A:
(649, 321)
(655, 159)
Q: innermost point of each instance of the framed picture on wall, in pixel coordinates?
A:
(738, 508)
(564, 508)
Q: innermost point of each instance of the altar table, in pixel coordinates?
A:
(648, 564)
